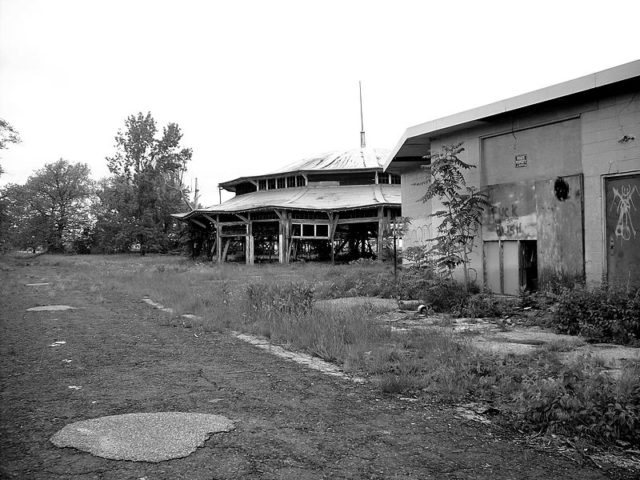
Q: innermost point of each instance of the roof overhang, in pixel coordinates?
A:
(415, 142)
(324, 199)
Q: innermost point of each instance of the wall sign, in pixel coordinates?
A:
(521, 161)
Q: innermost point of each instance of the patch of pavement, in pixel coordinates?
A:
(379, 304)
(142, 437)
(314, 363)
(157, 305)
(50, 308)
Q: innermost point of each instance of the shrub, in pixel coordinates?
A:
(581, 401)
(604, 314)
(485, 305)
(446, 296)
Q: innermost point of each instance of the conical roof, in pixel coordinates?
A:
(358, 158)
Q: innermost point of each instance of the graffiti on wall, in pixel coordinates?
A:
(512, 214)
(623, 203)
(506, 220)
(417, 235)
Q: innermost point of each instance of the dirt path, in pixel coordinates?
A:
(292, 423)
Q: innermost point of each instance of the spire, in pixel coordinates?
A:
(363, 143)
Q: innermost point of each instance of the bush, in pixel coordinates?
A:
(582, 401)
(485, 305)
(603, 314)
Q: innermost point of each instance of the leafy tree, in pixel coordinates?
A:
(8, 135)
(463, 207)
(145, 188)
(51, 210)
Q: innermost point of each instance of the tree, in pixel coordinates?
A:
(463, 208)
(7, 135)
(145, 188)
(50, 210)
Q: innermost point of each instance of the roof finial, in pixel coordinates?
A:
(363, 143)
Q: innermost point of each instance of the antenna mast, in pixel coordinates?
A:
(196, 195)
(363, 143)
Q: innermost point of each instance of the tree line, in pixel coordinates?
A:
(61, 209)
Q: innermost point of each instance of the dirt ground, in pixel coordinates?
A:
(292, 422)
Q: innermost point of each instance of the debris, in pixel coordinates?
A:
(412, 305)
(74, 387)
(58, 343)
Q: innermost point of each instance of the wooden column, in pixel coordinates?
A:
(333, 225)
(381, 226)
(218, 239)
(281, 251)
(249, 254)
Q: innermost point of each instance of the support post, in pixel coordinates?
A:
(249, 241)
(381, 225)
(219, 239)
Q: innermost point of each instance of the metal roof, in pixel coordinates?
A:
(416, 139)
(358, 158)
(323, 198)
(349, 160)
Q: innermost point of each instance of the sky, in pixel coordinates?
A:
(256, 85)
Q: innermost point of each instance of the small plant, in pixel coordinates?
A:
(296, 299)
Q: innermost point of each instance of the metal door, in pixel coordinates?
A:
(623, 229)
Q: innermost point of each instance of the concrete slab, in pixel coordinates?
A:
(142, 437)
(380, 304)
(50, 308)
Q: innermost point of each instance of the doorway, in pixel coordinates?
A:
(511, 266)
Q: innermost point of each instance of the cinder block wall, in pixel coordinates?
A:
(603, 154)
(416, 210)
(603, 122)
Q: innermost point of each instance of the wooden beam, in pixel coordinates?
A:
(279, 214)
(226, 249)
(198, 222)
(211, 219)
(347, 221)
(242, 217)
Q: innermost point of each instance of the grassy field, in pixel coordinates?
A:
(534, 392)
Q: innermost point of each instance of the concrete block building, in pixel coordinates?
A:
(561, 167)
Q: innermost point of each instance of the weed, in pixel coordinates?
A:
(604, 314)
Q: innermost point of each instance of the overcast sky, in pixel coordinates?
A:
(255, 85)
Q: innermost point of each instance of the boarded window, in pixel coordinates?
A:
(271, 183)
(262, 184)
(300, 181)
(291, 182)
(280, 182)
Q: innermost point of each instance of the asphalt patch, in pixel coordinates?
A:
(142, 437)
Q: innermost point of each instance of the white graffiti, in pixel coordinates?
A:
(623, 201)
